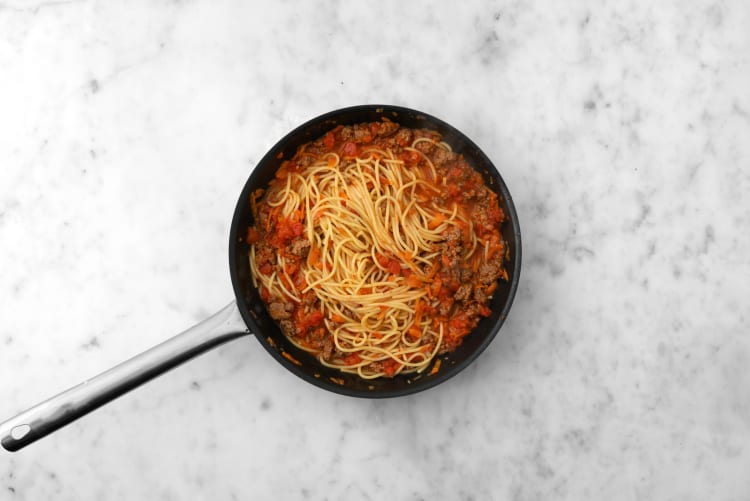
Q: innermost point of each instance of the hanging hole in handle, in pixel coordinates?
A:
(20, 431)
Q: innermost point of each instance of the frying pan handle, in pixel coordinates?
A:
(52, 414)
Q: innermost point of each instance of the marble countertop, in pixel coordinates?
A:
(127, 130)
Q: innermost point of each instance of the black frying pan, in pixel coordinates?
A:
(248, 315)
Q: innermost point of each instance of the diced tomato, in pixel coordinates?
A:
(266, 269)
(382, 260)
(459, 323)
(286, 229)
(315, 318)
(299, 281)
(390, 367)
(393, 267)
(409, 157)
(290, 269)
(496, 214)
(349, 149)
(264, 294)
(455, 172)
(328, 140)
(352, 359)
(252, 235)
(282, 172)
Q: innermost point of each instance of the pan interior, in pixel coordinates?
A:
(306, 366)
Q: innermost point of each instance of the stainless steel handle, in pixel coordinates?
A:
(52, 414)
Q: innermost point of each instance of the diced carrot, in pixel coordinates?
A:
(436, 286)
(414, 332)
(413, 281)
(291, 358)
(436, 221)
(418, 309)
(435, 368)
(383, 311)
(500, 248)
(313, 258)
(433, 270)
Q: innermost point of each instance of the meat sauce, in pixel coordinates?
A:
(459, 289)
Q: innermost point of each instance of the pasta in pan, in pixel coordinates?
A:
(376, 248)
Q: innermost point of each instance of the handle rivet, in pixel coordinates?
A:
(20, 431)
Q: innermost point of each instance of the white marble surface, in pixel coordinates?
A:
(622, 129)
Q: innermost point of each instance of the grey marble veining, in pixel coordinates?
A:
(622, 130)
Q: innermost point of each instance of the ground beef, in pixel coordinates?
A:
(469, 194)
(280, 310)
(300, 247)
(326, 348)
(287, 326)
(309, 298)
(305, 160)
(463, 293)
(491, 270)
(384, 129)
(361, 133)
(346, 133)
(441, 156)
(445, 307)
(425, 147)
(403, 136)
(264, 254)
(453, 242)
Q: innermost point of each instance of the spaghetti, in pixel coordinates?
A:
(375, 248)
